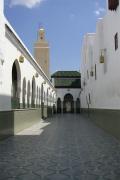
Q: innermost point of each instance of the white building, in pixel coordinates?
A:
(26, 93)
(100, 71)
(68, 85)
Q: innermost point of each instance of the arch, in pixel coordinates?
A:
(54, 98)
(68, 104)
(59, 107)
(28, 94)
(47, 97)
(48, 108)
(33, 92)
(78, 105)
(16, 85)
(24, 92)
(44, 97)
(54, 109)
(37, 97)
(51, 99)
(42, 90)
(42, 101)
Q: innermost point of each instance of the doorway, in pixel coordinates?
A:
(68, 104)
(16, 82)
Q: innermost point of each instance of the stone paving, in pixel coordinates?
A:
(67, 147)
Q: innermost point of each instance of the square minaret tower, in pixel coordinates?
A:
(41, 52)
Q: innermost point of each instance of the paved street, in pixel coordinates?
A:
(66, 147)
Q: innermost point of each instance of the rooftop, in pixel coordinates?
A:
(67, 83)
(66, 74)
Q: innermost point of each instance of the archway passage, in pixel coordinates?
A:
(59, 109)
(16, 77)
(68, 104)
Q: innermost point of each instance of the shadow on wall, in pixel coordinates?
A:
(5, 102)
(107, 119)
(13, 121)
(6, 117)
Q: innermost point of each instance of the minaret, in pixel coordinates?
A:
(41, 52)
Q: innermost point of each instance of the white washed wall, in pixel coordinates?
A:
(62, 92)
(106, 89)
(9, 52)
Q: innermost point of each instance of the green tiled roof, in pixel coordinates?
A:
(65, 74)
(67, 83)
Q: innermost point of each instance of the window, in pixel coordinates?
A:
(89, 99)
(116, 41)
(95, 72)
(87, 74)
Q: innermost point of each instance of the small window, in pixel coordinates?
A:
(95, 72)
(89, 99)
(87, 74)
(116, 41)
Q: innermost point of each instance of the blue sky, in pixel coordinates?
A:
(65, 21)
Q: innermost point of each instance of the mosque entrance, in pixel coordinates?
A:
(68, 107)
(68, 104)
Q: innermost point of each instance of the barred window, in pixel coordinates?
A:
(116, 41)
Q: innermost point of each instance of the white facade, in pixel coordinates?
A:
(102, 91)
(11, 49)
(62, 92)
(68, 106)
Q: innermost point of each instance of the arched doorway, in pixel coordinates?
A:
(54, 109)
(59, 109)
(68, 104)
(16, 86)
(33, 92)
(78, 105)
(39, 97)
(24, 93)
(42, 101)
(47, 103)
(28, 94)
